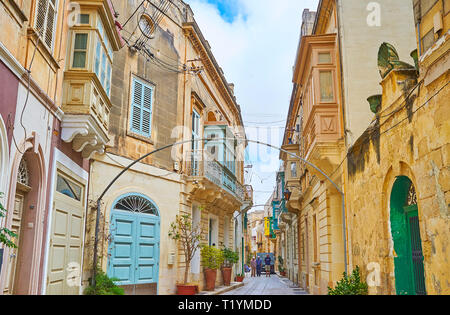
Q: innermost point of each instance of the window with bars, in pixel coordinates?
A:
(45, 21)
(141, 108)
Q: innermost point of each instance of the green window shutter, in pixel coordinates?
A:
(141, 108)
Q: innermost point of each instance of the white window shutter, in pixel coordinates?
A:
(46, 21)
(41, 13)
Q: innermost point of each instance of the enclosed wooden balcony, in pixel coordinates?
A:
(87, 78)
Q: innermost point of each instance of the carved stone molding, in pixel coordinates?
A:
(85, 134)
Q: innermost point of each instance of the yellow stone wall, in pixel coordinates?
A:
(413, 142)
(323, 268)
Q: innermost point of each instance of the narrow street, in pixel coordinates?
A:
(273, 285)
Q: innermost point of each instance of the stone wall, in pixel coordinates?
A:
(413, 140)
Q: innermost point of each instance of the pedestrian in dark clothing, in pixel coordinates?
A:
(267, 261)
(258, 266)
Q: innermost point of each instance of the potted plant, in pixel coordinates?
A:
(240, 277)
(212, 259)
(281, 266)
(230, 258)
(183, 230)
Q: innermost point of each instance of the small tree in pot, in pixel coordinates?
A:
(183, 230)
(230, 258)
(212, 259)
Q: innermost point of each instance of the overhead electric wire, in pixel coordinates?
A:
(368, 138)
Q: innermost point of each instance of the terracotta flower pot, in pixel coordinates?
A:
(226, 274)
(183, 289)
(210, 279)
(239, 278)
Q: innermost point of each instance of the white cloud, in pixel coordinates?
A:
(257, 52)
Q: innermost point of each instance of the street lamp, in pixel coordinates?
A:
(287, 194)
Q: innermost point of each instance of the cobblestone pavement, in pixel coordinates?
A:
(273, 285)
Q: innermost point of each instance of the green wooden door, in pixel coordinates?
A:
(408, 261)
(415, 249)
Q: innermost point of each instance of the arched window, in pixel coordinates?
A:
(136, 203)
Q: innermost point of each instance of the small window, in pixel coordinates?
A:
(427, 41)
(326, 86)
(293, 169)
(141, 108)
(83, 19)
(79, 51)
(324, 58)
(68, 188)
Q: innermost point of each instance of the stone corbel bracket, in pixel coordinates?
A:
(85, 134)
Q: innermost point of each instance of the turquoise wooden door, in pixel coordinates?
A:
(134, 243)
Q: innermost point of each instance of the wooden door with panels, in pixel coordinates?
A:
(66, 238)
(16, 227)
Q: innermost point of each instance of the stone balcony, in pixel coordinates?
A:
(86, 110)
(214, 185)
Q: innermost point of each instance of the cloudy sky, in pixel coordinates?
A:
(255, 43)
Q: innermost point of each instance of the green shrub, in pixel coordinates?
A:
(212, 258)
(104, 285)
(5, 234)
(350, 285)
(230, 257)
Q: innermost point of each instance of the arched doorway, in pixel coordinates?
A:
(408, 258)
(25, 201)
(134, 242)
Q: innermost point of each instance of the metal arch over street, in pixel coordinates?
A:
(97, 223)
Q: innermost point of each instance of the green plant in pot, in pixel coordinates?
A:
(183, 230)
(212, 259)
(240, 277)
(230, 258)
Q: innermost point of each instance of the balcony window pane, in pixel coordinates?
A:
(293, 169)
(427, 41)
(324, 58)
(79, 54)
(103, 75)
(79, 59)
(84, 18)
(98, 57)
(108, 80)
(81, 41)
(326, 86)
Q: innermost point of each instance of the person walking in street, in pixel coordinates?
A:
(267, 261)
(258, 266)
(253, 266)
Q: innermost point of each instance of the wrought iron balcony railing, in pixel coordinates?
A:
(219, 175)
